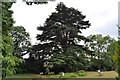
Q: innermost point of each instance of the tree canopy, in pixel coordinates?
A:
(102, 51)
(116, 58)
(61, 32)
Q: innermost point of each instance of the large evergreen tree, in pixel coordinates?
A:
(61, 35)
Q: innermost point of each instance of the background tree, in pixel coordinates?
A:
(22, 46)
(35, 62)
(116, 58)
(22, 43)
(8, 60)
(0, 42)
(118, 49)
(102, 56)
(61, 33)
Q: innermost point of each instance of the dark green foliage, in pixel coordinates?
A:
(59, 42)
(116, 78)
(93, 65)
(63, 63)
(22, 43)
(35, 62)
(33, 66)
(22, 46)
(116, 58)
(21, 68)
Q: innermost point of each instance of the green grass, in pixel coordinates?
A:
(69, 75)
(28, 75)
(106, 74)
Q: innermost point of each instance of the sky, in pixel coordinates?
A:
(102, 14)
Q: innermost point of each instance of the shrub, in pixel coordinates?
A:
(82, 74)
(72, 76)
(68, 75)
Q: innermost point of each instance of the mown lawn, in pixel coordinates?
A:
(106, 74)
(27, 75)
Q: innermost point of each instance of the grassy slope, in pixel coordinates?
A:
(107, 74)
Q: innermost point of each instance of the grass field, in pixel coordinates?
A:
(106, 74)
(28, 75)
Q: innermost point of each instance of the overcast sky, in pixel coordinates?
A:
(102, 14)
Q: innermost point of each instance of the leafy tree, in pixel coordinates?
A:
(0, 43)
(21, 41)
(118, 49)
(102, 56)
(8, 60)
(111, 50)
(35, 62)
(61, 32)
(22, 46)
(116, 58)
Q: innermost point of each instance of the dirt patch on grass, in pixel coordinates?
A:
(41, 76)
